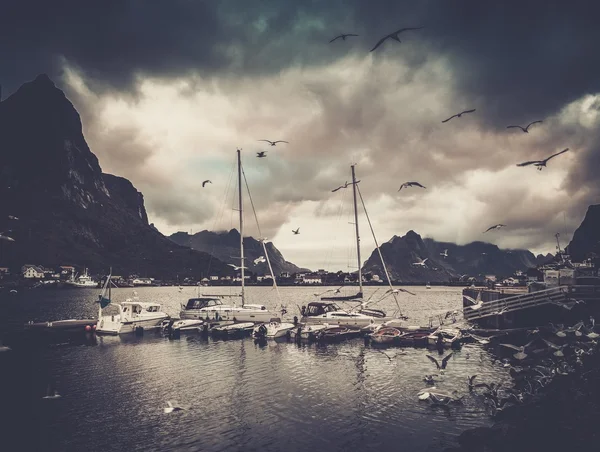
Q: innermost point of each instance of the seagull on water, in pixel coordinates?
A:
(261, 154)
(236, 268)
(343, 36)
(206, 182)
(541, 164)
(524, 129)
(259, 260)
(410, 184)
(393, 36)
(172, 407)
(296, 232)
(444, 363)
(496, 226)
(458, 115)
(273, 143)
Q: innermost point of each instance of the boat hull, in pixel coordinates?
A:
(229, 314)
(358, 321)
(114, 324)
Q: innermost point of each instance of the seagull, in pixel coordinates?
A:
(7, 238)
(421, 263)
(393, 36)
(296, 232)
(524, 129)
(445, 253)
(458, 115)
(340, 187)
(400, 290)
(172, 407)
(477, 303)
(259, 260)
(12, 217)
(343, 36)
(4, 348)
(261, 154)
(541, 164)
(444, 361)
(51, 394)
(273, 143)
(521, 350)
(235, 267)
(429, 379)
(410, 184)
(206, 182)
(496, 226)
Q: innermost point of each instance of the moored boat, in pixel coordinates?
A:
(233, 330)
(272, 330)
(385, 335)
(337, 334)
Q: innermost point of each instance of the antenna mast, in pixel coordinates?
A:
(241, 209)
(357, 234)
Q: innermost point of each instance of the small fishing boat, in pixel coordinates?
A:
(187, 325)
(233, 330)
(306, 332)
(444, 337)
(272, 330)
(385, 335)
(337, 334)
(412, 339)
(84, 281)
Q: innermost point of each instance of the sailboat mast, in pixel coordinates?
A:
(241, 209)
(357, 234)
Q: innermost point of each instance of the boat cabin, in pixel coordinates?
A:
(203, 303)
(137, 307)
(316, 308)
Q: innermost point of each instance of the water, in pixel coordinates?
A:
(237, 395)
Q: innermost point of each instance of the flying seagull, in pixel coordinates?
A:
(496, 226)
(7, 238)
(261, 154)
(296, 232)
(445, 253)
(12, 217)
(458, 115)
(343, 36)
(524, 129)
(399, 289)
(340, 187)
(444, 361)
(421, 262)
(206, 182)
(235, 267)
(477, 303)
(172, 407)
(410, 184)
(393, 36)
(273, 143)
(541, 164)
(259, 260)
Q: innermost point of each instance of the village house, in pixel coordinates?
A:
(214, 278)
(32, 271)
(311, 278)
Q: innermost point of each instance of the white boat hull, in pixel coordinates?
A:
(189, 324)
(273, 330)
(347, 320)
(233, 314)
(116, 325)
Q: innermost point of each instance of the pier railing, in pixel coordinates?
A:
(519, 302)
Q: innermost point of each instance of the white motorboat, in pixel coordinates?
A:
(272, 330)
(234, 330)
(83, 281)
(212, 308)
(330, 313)
(127, 316)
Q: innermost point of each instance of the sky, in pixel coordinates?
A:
(168, 90)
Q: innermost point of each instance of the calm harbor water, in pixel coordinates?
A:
(237, 395)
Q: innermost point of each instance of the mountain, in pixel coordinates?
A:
(473, 259)
(226, 246)
(69, 212)
(586, 239)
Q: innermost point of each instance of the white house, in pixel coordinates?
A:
(311, 279)
(32, 271)
(214, 278)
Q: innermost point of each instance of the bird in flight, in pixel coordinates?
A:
(393, 36)
(172, 407)
(400, 290)
(296, 232)
(421, 262)
(445, 253)
(12, 217)
(260, 259)
(410, 184)
(273, 143)
(236, 268)
(6, 237)
(524, 129)
(206, 182)
(340, 187)
(496, 226)
(261, 154)
(458, 115)
(343, 36)
(444, 361)
(541, 164)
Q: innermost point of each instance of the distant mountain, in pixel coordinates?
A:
(70, 213)
(473, 259)
(586, 239)
(226, 247)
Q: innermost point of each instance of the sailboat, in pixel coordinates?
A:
(211, 307)
(327, 311)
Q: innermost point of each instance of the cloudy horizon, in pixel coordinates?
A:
(167, 92)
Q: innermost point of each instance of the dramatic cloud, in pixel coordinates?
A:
(168, 90)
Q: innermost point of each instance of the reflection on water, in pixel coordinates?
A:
(237, 394)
